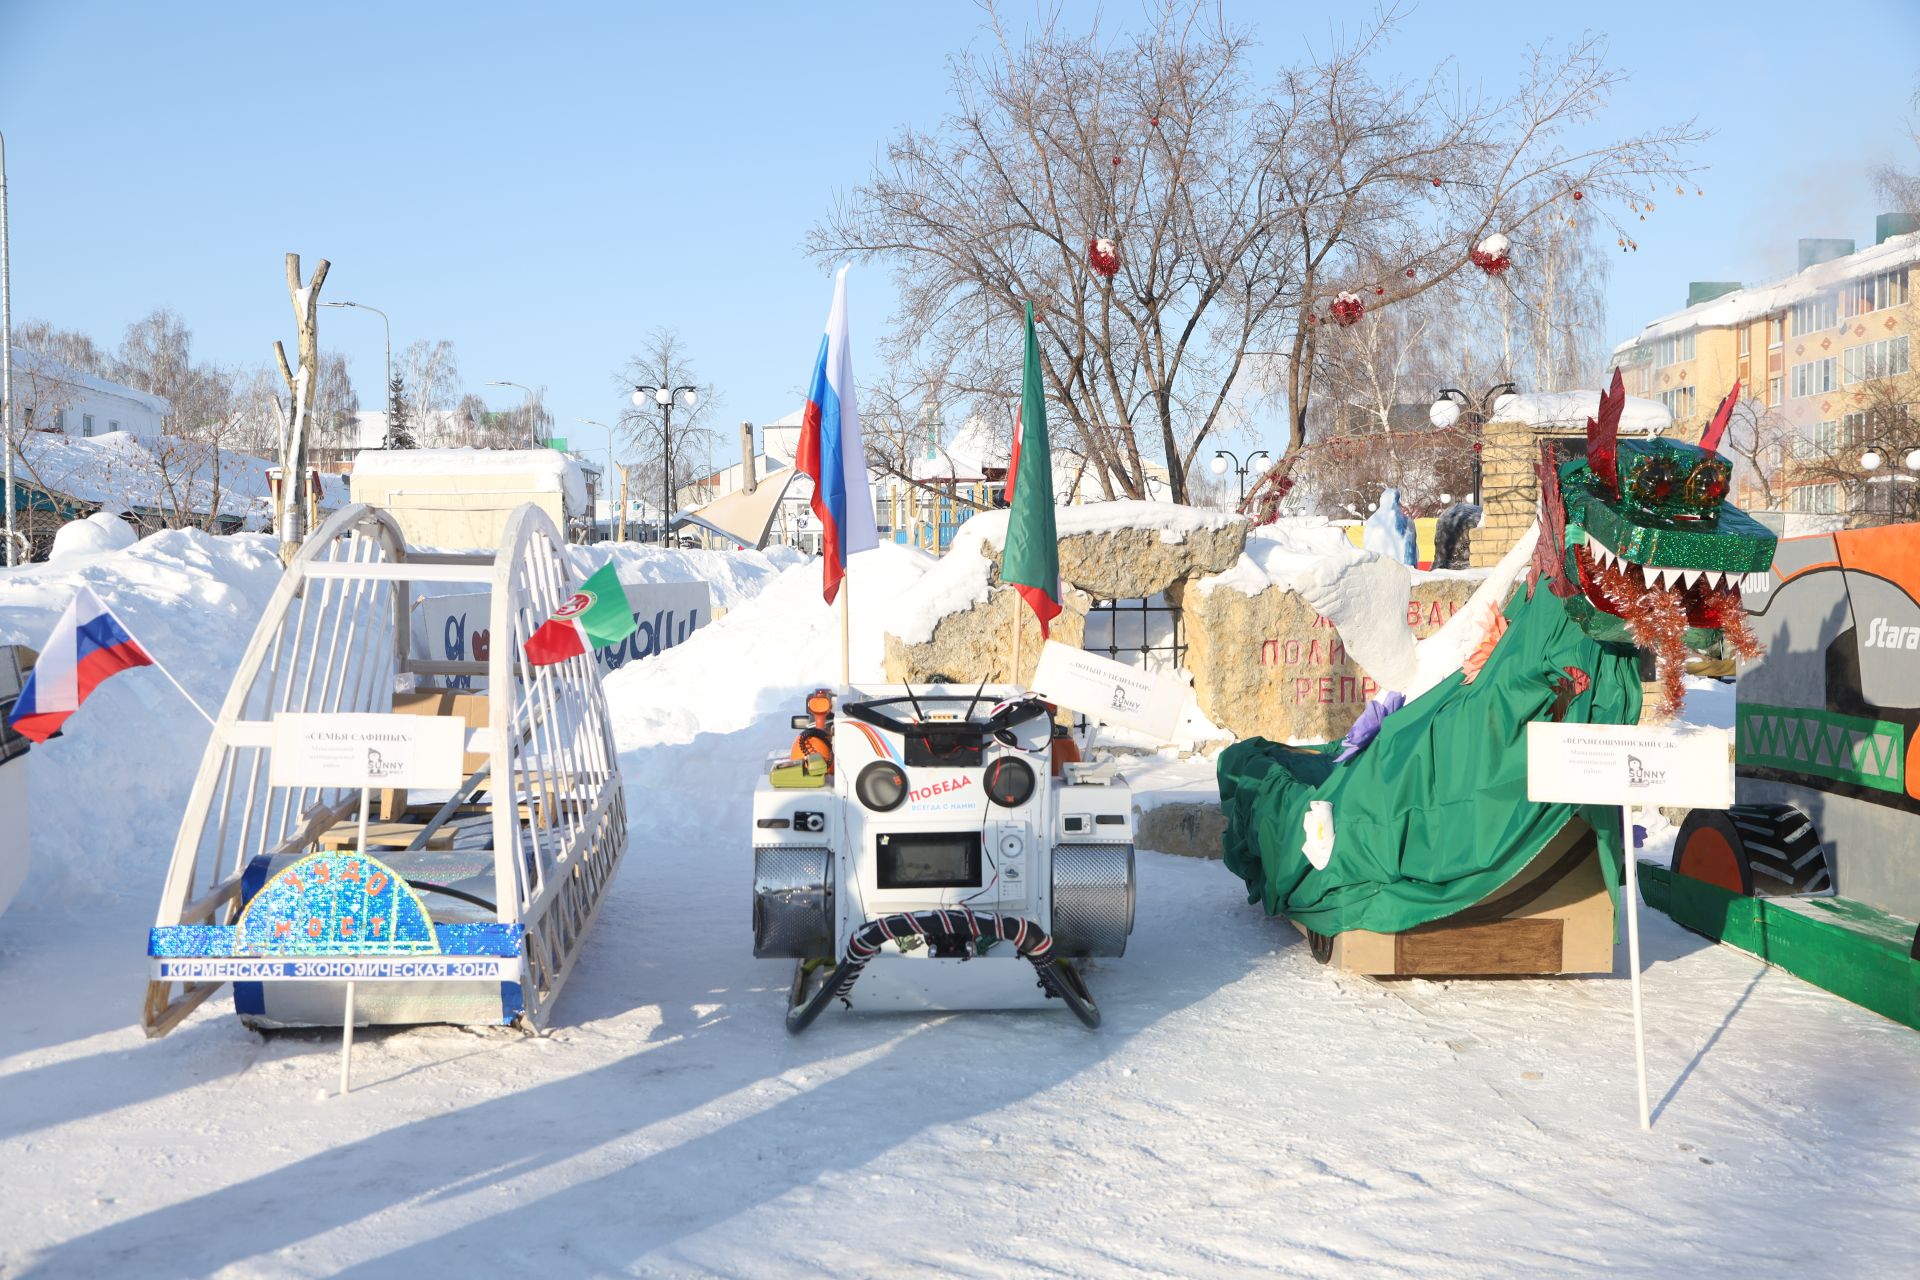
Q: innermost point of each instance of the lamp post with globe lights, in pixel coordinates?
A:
(1451, 405)
(662, 398)
(1878, 455)
(1224, 461)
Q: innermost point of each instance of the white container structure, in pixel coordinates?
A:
(510, 869)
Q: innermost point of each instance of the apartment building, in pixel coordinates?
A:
(1824, 356)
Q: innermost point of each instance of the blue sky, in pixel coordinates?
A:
(543, 185)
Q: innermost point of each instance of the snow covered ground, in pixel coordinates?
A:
(1242, 1111)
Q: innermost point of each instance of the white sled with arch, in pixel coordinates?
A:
(468, 905)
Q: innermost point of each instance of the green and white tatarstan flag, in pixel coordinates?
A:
(593, 617)
(1030, 563)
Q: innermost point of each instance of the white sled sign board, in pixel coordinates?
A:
(367, 749)
(1629, 765)
(1108, 691)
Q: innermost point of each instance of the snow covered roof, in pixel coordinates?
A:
(1744, 306)
(1571, 409)
(566, 471)
(119, 471)
(47, 367)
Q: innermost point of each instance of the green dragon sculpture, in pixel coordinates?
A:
(1635, 548)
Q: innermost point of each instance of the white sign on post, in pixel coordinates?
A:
(368, 749)
(1629, 765)
(1108, 691)
(365, 750)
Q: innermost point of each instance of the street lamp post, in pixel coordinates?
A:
(1224, 461)
(388, 329)
(533, 428)
(1877, 456)
(619, 522)
(663, 398)
(1450, 404)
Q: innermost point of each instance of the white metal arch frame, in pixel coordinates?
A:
(335, 637)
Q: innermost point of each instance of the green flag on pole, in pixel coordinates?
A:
(1031, 562)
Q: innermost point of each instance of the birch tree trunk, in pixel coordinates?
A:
(293, 438)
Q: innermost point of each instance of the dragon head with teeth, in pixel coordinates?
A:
(1640, 540)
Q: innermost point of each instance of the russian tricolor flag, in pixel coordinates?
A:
(88, 645)
(832, 452)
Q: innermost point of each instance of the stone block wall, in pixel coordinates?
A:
(1268, 664)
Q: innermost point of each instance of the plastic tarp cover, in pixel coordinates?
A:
(1433, 817)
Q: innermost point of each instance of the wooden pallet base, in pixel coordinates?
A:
(1555, 917)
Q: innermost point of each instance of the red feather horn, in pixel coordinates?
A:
(1710, 439)
(1603, 454)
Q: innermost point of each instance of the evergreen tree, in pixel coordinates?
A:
(399, 425)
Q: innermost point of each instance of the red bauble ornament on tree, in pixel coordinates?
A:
(1577, 195)
(1409, 273)
(1491, 255)
(1103, 255)
(1436, 182)
(1347, 308)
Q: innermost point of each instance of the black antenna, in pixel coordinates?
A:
(919, 715)
(971, 702)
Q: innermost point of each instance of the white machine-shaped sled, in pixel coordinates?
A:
(467, 905)
(919, 851)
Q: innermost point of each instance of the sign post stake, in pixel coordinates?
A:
(1634, 767)
(1630, 890)
(346, 1043)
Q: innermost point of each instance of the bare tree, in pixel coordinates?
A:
(71, 348)
(335, 430)
(1761, 444)
(1882, 417)
(431, 374)
(666, 439)
(1235, 213)
(300, 382)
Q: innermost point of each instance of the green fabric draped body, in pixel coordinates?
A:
(1433, 816)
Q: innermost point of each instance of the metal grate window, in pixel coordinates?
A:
(1147, 633)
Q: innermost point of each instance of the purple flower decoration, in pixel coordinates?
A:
(1367, 727)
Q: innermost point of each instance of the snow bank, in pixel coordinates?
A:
(107, 794)
(98, 533)
(1174, 521)
(767, 652)
(1571, 409)
(1277, 554)
(959, 580)
(733, 576)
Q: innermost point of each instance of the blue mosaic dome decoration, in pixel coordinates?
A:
(336, 904)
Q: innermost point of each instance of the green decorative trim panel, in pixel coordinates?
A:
(1826, 744)
(1846, 947)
